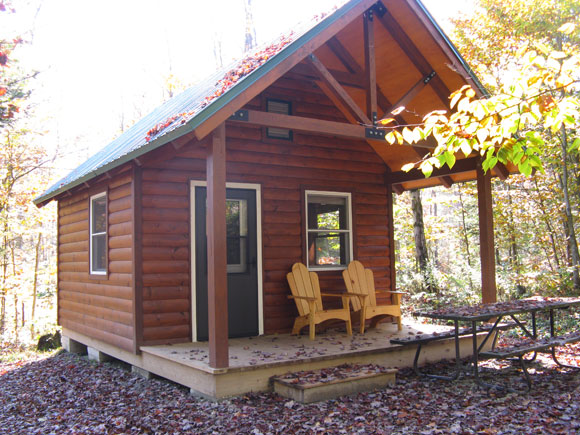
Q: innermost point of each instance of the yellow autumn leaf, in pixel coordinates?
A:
(567, 28)
(408, 135)
(386, 121)
(455, 99)
(470, 93)
(400, 138)
(407, 167)
(398, 110)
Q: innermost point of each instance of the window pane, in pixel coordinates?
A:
(233, 231)
(236, 232)
(99, 253)
(99, 217)
(327, 213)
(327, 248)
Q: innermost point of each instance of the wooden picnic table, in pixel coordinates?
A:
(496, 312)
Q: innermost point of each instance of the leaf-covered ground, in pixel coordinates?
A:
(66, 394)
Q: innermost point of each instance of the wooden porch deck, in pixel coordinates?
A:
(253, 361)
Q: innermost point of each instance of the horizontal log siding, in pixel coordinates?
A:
(165, 253)
(284, 169)
(100, 307)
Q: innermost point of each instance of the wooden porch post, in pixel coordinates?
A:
(486, 239)
(217, 286)
(391, 225)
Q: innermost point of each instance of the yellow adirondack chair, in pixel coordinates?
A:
(359, 280)
(306, 293)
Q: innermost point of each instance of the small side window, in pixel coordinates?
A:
(283, 108)
(98, 234)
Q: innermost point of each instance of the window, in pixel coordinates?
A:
(283, 108)
(98, 236)
(329, 229)
(237, 235)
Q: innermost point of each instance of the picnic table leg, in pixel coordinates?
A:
(416, 361)
(475, 351)
(553, 353)
(458, 366)
(526, 374)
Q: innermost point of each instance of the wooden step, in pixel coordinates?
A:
(330, 383)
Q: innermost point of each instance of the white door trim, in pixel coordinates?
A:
(246, 186)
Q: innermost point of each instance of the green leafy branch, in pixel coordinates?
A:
(507, 127)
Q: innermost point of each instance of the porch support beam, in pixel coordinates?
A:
(344, 110)
(338, 90)
(486, 237)
(312, 125)
(399, 189)
(501, 171)
(410, 94)
(217, 288)
(461, 166)
(370, 65)
(446, 181)
(413, 53)
(391, 226)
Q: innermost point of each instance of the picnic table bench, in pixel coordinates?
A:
(516, 351)
(421, 339)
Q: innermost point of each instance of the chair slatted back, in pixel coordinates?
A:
(360, 280)
(304, 283)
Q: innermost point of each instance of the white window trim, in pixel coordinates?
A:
(91, 234)
(348, 231)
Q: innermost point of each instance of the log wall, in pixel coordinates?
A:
(97, 306)
(284, 169)
(103, 307)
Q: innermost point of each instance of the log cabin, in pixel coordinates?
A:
(184, 227)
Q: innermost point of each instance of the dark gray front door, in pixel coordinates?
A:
(242, 262)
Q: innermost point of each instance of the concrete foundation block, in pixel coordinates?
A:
(146, 374)
(97, 356)
(73, 346)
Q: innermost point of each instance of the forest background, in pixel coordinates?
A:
(436, 229)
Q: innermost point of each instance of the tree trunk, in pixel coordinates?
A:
(35, 284)
(250, 38)
(513, 244)
(421, 253)
(3, 288)
(464, 229)
(551, 233)
(570, 231)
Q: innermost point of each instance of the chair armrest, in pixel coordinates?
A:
(392, 292)
(340, 295)
(360, 295)
(308, 298)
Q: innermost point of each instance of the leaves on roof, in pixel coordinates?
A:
(247, 65)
